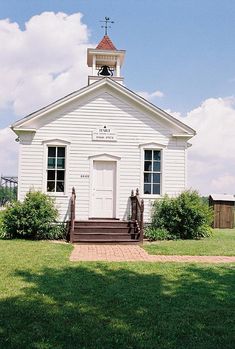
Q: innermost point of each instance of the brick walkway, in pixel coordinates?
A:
(129, 253)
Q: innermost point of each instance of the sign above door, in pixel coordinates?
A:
(105, 134)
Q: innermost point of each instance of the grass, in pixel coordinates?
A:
(47, 302)
(221, 243)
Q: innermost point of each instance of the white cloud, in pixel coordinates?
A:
(224, 183)
(43, 62)
(150, 96)
(214, 122)
(8, 152)
(38, 65)
(212, 155)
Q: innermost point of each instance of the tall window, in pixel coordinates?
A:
(152, 172)
(56, 169)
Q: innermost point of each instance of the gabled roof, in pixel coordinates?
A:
(106, 44)
(222, 197)
(113, 87)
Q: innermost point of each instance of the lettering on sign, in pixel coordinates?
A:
(104, 134)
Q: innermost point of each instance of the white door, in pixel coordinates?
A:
(103, 190)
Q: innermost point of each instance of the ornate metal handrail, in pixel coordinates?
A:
(137, 214)
(72, 213)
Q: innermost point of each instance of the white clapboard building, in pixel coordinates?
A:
(103, 140)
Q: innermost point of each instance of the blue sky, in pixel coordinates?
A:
(183, 48)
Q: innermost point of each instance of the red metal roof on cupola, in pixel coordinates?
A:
(106, 44)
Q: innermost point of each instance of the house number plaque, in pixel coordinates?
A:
(104, 134)
(84, 175)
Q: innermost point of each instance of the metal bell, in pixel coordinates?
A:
(105, 71)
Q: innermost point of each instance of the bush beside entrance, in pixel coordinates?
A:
(34, 218)
(183, 217)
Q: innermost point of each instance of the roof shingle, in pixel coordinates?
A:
(106, 44)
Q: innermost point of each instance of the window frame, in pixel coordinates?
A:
(151, 171)
(56, 169)
(152, 147)
(56, 143)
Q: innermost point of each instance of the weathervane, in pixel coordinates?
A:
(106, 26)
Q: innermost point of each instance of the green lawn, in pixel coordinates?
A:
(47, 302)
(222, 243)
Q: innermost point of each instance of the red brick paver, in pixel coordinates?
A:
(129, 253)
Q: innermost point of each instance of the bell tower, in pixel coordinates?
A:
(105, 60)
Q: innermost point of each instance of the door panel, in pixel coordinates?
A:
(103, 190)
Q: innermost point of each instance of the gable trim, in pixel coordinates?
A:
(182, 135)
(118, 88)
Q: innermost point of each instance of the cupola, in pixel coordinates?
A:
(105, 61)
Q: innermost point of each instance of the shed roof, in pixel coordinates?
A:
(222, 197)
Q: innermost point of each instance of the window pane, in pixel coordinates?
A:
(156, 166)
(148, 154)
(61, 152)
(156, 189)
(50, 186)
(148, 166)
(147, 178)
(60, 163)
(147, 189)
(60, 175)
(51, 152)
(60, 187)
(156, 178)
(156, 155)
(51, 162)
(51, 175)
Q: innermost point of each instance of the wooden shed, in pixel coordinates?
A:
(223, 206)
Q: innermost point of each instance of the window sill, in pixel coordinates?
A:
(151, 196)
(63, 195)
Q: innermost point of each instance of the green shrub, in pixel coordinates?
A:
(153, 234)
(7, 194)
(2, 233)
(34, 218)
(185, 216)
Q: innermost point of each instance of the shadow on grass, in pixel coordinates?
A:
(95, 306)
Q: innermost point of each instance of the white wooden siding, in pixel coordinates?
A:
(132, 126)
